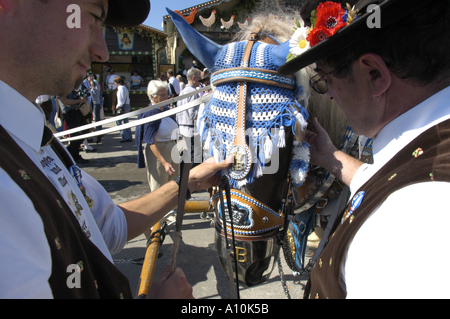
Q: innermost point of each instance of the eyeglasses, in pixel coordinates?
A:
(319, 84)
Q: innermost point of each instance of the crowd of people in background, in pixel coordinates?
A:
(80, 107)
(154, 140)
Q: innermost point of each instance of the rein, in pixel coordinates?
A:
(225, 186)
(184, 174)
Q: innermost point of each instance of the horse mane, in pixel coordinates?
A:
(279, 25)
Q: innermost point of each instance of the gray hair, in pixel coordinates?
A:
(154, 87)
(194, 72)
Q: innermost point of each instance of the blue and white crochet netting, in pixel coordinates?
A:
(270, 110)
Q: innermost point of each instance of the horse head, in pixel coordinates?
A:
(258, 116)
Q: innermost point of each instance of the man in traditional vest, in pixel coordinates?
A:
(58, 226)
(388, 68)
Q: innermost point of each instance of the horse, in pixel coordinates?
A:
(259, 117)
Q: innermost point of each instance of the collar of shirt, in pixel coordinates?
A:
(402, 131)
(21, 118)
(405, 128)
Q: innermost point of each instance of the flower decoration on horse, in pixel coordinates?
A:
(326, 20)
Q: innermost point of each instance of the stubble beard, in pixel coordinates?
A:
(63, 85)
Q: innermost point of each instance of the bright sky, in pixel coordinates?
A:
(158, 10)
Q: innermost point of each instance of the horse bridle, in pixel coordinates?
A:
(269, 222)
(242, 154)
(243, 157)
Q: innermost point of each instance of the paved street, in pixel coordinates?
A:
(114, 166)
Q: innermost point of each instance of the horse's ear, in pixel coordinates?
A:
(204, 49)
(280, 53)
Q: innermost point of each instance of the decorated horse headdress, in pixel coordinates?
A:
(255, 114)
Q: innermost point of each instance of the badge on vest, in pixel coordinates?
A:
(356, 202)
(76, 174)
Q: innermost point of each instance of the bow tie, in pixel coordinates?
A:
(47, 137)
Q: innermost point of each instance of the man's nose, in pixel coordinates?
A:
(98, 48)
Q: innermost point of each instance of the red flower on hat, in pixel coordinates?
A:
(317, 35)
(329, 21)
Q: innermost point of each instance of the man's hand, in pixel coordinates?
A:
(204, 175)
(169, 169)
(173, 287)
(322, 148)
(325, 154)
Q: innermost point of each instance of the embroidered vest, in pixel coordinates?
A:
(427, 158)
(69, 245)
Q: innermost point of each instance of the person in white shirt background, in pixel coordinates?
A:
(158, 139)
(186, 120)
(110, 80)
(174, 84)
(136, 81)
(64, 55)
(123, 106)
(182, 84)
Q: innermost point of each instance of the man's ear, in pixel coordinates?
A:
(376, 72)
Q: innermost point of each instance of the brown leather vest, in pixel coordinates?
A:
(427, 158)
(68, 243)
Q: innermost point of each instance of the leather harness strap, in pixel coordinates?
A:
(254, 218)
(242, 154)
(259, 36)
(266, 77)
(240, 149)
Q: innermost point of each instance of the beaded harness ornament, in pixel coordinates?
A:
(271, 106)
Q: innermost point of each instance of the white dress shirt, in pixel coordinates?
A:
(123, 96)
(176, 84)
(25, 260)
(394, 253)
(167, 130)
(187, 119)
(110, 80)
